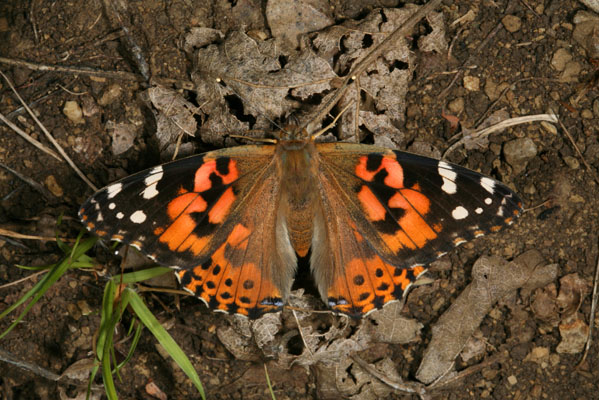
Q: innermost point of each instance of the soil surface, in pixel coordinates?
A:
(516, 57)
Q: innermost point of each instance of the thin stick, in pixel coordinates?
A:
(49, 136)
(501, 126)
(411, 387)
(28, 138)
(361, 66)
(45, 192)
(28, 277)
(17, 235)
(301, 332)
(119, 75)
(592, 316)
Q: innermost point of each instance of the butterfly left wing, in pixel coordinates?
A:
(212, 218)
(397, 211)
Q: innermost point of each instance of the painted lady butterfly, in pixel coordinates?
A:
(232, 222)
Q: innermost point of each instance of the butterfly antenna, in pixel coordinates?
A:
(249, 104)
(332, 124)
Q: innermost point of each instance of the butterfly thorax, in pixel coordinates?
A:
(298, 164)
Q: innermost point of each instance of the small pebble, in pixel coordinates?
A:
(73, 112)
(512, 23)
(472, 83)
(572, 162)
(53, 186)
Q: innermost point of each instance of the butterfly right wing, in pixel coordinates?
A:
(396, 212)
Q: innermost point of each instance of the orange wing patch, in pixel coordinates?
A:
(231, 288)
(368, 284)
(395, 210)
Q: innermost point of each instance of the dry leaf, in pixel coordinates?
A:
(572, 290)
(289, 19)
(492, 279)
(174, 116)
(388, 326)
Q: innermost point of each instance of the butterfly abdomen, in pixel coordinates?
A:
(298, 194)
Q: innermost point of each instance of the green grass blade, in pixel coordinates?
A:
(148, 319)
(272, 392)
(142, 275)
(36, 293)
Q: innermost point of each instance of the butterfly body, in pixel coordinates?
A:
(233, 222)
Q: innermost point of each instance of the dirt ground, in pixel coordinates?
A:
(516, 57)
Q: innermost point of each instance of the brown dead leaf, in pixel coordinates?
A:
(174, 115)
(200, 36)
(492, 279)
(388, 326)
(544, 305)
(288, 19)
(572, 291)
(386, 81)
(252, 70)
(123, 136)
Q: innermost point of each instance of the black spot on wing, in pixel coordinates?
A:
(222, 165)
(373, 161)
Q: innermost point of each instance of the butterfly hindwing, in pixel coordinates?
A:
(204, 216)
(404, 211)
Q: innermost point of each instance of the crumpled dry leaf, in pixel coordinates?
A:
(572, 290)
(200, 36)
(123, 136)
(475, 347)
(289, 19)
(388, 326)
(434, 41)
(174, 115)
(251, 70)
(492, 279)
(237, 338)
(79, 370)
(543, 305)
(354, 383)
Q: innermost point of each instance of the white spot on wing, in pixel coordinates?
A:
(138, 217)
(478, 210)
(488, 201)
(449, 176)
(99, 217)
(150, 191)
(114, 189)
(119, 215)
(154, 176)
(111, 206)
(459, 213)
(151, 181)
(488, 184)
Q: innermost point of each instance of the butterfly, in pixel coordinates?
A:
(233, 222)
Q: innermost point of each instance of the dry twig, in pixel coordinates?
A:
(500, 126)
(594, 300)
(49, 136)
